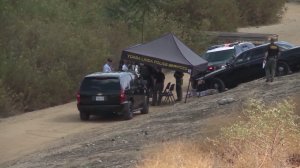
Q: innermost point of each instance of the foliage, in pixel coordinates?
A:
(256, 12)
(266, 136)
(46, 47)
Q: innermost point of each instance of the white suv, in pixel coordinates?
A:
(218, 56)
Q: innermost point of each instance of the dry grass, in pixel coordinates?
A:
(266, 136)
(296, 99)
(178, 154)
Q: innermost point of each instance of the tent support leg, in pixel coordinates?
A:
(188, 89)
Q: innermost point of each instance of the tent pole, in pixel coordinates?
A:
(188, 89)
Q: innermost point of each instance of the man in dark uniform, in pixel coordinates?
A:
(179, 81)
(145, 71)
(158, 87)
(271, 60)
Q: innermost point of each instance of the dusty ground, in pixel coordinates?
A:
(64, 141)
(55, 137)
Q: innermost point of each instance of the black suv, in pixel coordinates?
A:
(117, 92)
(248, 66)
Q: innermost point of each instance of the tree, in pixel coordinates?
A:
(133, 12)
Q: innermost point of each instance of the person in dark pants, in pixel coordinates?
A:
(271, 60)
(153, 87)
(146, 71)
(179, 81)
(158, 88)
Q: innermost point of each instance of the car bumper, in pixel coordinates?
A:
(100, 109)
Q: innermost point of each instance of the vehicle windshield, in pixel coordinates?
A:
(100, 84)
(219, 55)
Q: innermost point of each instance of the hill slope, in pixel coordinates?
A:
(111, 143)
(56, 137)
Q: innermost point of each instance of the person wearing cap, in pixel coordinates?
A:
(107, 67)
(271, 57)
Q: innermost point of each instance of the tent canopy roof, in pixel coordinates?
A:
(168, 52)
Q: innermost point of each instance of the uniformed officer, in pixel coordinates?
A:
(271, 57)
(179, 81)
(158, 87)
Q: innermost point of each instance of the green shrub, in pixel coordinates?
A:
(46, 47)
(266, 137)
(7, 107)
(256, 12)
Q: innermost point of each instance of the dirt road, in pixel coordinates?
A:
(287, 29)
(55, 137)
(112, 142)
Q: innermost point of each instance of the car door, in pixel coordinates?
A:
(249, 65)
(241, 71)
(291, 56)
(255, 63)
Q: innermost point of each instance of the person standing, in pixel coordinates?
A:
(124, 66)
(146, 74)
(158, 87)
(108, 66)
(179, 81)
(271, 57)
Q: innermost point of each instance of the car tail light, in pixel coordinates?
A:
(122, 96)
(211, 68)
(78, 98)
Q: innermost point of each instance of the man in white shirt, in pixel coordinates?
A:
(124, 66)
(107, 67)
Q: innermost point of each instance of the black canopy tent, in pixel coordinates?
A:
(167, 52)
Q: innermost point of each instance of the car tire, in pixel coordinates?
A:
(128, 113)
(282, 69)
(145, 109)
(84, 116)
(217, 84)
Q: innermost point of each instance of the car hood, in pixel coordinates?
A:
(213, 73)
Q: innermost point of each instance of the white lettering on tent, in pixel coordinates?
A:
(157, 62)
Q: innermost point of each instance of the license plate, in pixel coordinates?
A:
(99, 98)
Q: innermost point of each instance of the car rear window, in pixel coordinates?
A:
(103, 84)
(219, 55)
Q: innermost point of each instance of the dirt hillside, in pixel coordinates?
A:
(115, 143)
(55, 137)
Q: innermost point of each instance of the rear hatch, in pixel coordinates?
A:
(217, 58)
(100, 91)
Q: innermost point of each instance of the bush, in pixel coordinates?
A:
(256, 12)
(58, 42)
(267, 136)
(7, 105)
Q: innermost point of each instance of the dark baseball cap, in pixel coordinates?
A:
(109, 60)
